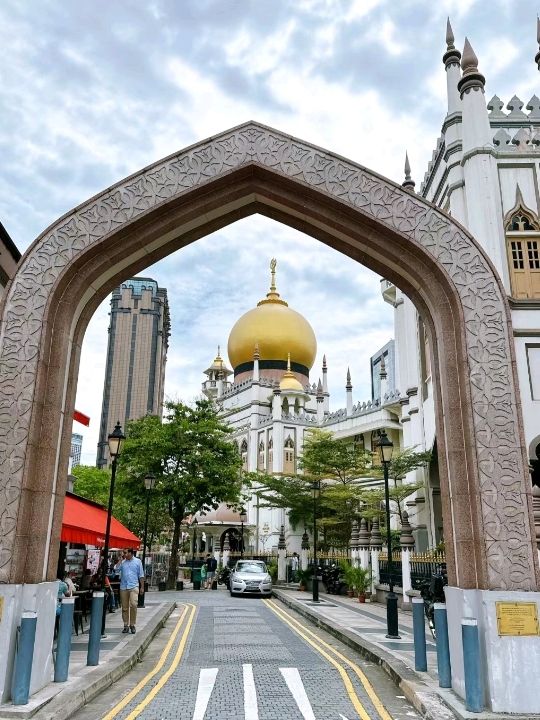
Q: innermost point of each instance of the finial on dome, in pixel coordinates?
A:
(452, 56)
(537, 56)
(472, 78)
(272, 296)
(408, 183)
(256, 353)
(273, 263)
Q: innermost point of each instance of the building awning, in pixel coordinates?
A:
(84, 523)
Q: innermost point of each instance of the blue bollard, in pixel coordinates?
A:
(63, 641)
(474, 691)
(22, 670)
(419, 633)
(443, 648)
(94, 634)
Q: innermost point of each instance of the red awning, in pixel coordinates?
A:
(84, 523)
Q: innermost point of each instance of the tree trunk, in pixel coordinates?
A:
(173, 562)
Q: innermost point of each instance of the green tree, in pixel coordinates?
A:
(195, 464)
(92, 483)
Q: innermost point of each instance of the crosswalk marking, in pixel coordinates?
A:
(298, 691)
(207, 680)
(251, 708)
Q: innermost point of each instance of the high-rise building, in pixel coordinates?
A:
(136, 355)
(75, 452)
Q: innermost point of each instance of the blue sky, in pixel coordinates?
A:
(91, 92)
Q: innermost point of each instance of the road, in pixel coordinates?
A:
(223, 658)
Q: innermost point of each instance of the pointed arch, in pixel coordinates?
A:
(73, 265)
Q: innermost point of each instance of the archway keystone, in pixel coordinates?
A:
(252, 168)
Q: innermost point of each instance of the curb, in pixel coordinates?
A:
(418, 693)
(86, 687)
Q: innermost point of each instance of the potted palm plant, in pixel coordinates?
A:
(304, 576)
(362, 582)
(348, 575)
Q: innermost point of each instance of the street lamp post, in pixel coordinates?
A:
(115, 440)
(386, 447)
(243, 519)
(194, 524)
(149, 484)
(315, 492)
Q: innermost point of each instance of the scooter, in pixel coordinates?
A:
(433, 592)
(224, 576)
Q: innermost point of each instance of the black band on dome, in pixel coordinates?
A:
(271, 365)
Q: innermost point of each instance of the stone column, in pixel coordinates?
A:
(353, 543)
(304, 551)
(226, 551)
(407, 545)
(375, 542)
(363, 544)
(282, 556)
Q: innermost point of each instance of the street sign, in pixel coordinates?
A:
(517, 618)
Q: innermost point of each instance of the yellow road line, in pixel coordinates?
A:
(146, 679)
(360, 709)
(368, 687)
(166, 675)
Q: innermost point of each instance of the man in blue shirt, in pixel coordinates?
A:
(131, 585)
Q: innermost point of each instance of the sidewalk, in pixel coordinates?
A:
(363, 627)
(119, 653)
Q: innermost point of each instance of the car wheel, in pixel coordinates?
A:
(232, 594)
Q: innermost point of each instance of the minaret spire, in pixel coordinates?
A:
(408, 183)
(451, 59)
(348, 389)
(537, 56)
(472, 78)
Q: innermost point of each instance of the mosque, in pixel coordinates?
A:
(485, 173)
(270, 403)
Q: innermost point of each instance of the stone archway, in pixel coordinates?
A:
(253, 169)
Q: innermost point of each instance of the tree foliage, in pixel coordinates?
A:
(195, 465)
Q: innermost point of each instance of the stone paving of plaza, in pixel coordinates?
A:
(240, 659)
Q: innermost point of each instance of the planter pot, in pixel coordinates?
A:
(301, 588)
(350, 593)
(362, 598)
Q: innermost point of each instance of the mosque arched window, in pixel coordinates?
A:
(270, 465)
(244, 454)
(285, 406)
(297, 407)
(288, 456)
(523, 252)
(260, 457)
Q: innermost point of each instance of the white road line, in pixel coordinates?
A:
(207, 680)
(296, 686)
(251, 709)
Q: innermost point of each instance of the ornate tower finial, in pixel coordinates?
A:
(472, 78)
(449, 36)
(273, 263)
(218, 350)
(348, 386)
(408, 183)
(537, 56)
(320, 393)
(382, 371)
(288, 362)
(324, 366)
(256, 353)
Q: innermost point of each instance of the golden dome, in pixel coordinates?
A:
(289, 381)
(276, 328)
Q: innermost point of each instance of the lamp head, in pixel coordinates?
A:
(386, 447)
(116, 440)
(150, 481)
(243, 515)
(315, 489)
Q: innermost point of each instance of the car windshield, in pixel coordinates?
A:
(251, 567)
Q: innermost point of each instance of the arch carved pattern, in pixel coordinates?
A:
(505, 515)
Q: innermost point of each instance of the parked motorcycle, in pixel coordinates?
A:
(224, 576)
(333, 580)
(433, 592)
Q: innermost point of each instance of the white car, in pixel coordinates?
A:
(250, 576)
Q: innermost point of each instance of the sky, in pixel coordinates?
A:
(92, 92)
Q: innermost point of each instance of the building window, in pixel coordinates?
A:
(523, 251)
(244, 454)
(260, 458)
(270, 455)
(288, 458)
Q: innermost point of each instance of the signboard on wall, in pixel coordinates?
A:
(517, 618)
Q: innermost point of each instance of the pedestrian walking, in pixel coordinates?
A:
(203, 576)
(211, 567)
(131, 586)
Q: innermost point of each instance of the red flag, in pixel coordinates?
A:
(80, 417)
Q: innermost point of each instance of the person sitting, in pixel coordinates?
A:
(63, 591)
(70, 585)
(86, 579)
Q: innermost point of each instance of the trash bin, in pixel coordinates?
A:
(179, 584)
(196, 578)
(162, 586)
